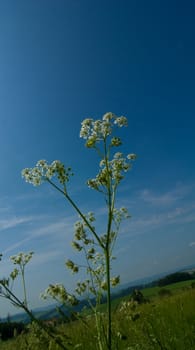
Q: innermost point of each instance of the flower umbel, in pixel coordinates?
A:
(44, 171)
(94, 131)
(58, 292)
(22, 258)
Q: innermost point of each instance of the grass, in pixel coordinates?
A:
(165, 323)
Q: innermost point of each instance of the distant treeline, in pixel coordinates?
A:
(164, 281)
(10, 329)
(176, 277)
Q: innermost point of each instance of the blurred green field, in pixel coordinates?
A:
(164, 323)
(173, 288)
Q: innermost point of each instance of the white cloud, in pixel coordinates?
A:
(167, 198)
(155, 199)
(145, 223)
(55, 228)
(13, 221)
(41, 258)
(192, 244)
(62, 228)
(15, 245)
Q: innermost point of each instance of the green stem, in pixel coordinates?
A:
(107, 248)
(78, 211)
(109, 325)
(18, 303)
(24, 287)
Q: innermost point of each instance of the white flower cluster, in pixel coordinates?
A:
(127, 306)
(72, 266)
(80, 229)
(14, 274)
(22, 258)
(119, 215)
(113, 171)
(58, 292)
(81, 287)
(129, 310)
(104, 285)
(44, 171)
(95, 130)
(115, 281)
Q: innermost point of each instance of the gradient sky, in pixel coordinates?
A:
(62, 61)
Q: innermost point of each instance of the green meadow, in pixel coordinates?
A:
(165, 321)
(173, 288)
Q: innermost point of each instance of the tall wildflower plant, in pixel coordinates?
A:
(7, 291)
(6, 284)
(96, 246)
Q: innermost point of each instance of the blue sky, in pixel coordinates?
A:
(63, 61)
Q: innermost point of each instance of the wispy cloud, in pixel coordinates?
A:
(59, 228)
(154, 199)
(54, 228)
(11, 222)
(145, 223)
(192, 244)
(42, 258)
(167, 198)
(16, 245)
